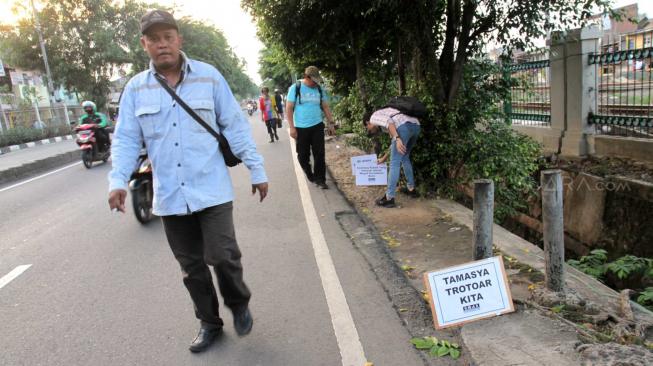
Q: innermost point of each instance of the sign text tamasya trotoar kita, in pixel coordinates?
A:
(468, 292)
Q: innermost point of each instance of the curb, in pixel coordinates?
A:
(38, 166)
(406, 299)
(52, 140)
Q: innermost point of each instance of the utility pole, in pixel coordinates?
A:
(44, 53)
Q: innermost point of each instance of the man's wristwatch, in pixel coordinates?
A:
(394, 138)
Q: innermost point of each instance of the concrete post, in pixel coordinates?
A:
(3, 119)
(553, 225)
(65, 113)
(483, 218)
(580, 90)
(557, 57)
(38, 114)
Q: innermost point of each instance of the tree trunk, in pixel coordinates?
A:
(457, 69)
(401, 67)
(360, 78)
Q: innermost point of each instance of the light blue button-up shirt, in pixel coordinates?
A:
(188, 167)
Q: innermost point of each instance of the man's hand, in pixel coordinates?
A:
(117, 200)
(262, 189)
(401, 147)
(293, 132)
(331, 129)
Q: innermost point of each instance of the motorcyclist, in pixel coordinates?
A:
(92, 116)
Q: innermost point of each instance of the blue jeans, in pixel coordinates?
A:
(408, 132)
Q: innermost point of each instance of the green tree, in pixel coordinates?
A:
(88, 41)
(274, 68)
(83, 41)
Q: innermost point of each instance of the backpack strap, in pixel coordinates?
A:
(298, 88)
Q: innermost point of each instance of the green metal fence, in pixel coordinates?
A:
(530, 94)
(624, 105)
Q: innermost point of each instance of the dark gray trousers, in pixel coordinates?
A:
(208, 238)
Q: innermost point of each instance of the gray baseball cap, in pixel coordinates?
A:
(156, 16)
(314, 74)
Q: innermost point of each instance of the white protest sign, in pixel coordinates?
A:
(469, 292)
(371, 175)
(362, 160)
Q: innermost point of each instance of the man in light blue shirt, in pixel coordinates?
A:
(305, 104)
(192, 187)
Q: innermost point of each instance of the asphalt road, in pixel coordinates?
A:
(104, 290)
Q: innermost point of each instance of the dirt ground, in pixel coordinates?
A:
(609, 166)
(420, 236)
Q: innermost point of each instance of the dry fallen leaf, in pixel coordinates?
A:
(425, 296)
(369, 364)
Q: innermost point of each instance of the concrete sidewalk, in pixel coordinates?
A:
(20, 164)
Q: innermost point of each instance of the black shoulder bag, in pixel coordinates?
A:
(229, 158)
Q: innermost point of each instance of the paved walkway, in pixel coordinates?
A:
(17, 158)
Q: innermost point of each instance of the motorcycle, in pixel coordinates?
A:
(141, 188)
(90, 150)
(250, 109)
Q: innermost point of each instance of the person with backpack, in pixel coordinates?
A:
(403, 130)
(305, 106)
(268, 108)
(279, 102)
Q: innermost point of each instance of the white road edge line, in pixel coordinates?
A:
(13, 274)
(39, 177)
(351, 349)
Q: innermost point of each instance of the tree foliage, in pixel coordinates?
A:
(275, 69)
(437, 37)
(88, 42)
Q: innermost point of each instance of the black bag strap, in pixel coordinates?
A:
(298, 91)
(298, 88)
(189, 110)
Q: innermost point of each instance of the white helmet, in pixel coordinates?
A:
(88, 103)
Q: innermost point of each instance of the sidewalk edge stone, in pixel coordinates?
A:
(26, 170)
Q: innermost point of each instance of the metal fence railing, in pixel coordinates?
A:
(624, 105)
(530, 94)
(46, 117)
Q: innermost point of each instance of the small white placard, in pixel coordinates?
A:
(372, 175)
(362, 160)
(468, 292)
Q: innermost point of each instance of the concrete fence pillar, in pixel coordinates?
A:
(483, 218)
(573, 87)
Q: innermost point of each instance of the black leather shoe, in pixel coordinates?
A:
(322, 185)
(243, 321)
(204, 338)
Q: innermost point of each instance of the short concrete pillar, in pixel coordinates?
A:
(553, 226)
(483, 218)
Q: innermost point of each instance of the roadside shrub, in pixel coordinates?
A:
(466, 142)
(21, 135)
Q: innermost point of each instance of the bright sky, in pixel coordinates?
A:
(234, 22)
(238, 27)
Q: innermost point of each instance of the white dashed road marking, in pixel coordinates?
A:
(13, 274)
